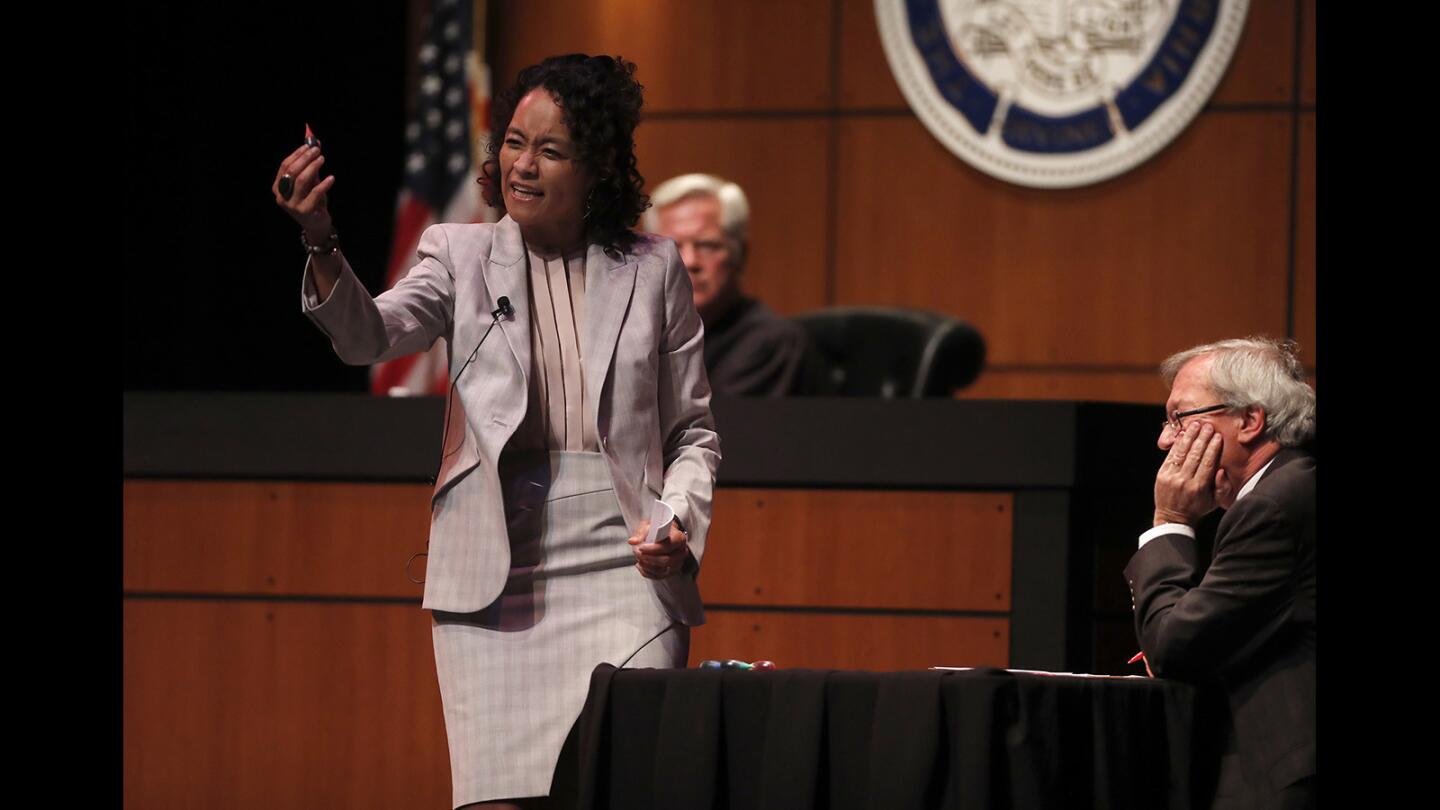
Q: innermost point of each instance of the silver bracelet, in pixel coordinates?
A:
(331, 244)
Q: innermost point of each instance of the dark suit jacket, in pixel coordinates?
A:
(752, 352)
(1247, 623)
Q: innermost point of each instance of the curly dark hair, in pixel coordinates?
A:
(600, 102)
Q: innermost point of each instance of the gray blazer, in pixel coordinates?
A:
(644, 367)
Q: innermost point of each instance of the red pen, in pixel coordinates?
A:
(1136, 657)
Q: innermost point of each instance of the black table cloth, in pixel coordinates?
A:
(986, 738)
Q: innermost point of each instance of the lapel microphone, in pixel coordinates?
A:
(504, 309)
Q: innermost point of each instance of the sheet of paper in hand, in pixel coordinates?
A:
(660, 517)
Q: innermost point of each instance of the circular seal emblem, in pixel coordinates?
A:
(1058, 93)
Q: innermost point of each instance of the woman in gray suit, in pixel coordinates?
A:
(578, 410)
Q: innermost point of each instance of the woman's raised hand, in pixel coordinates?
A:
(306, 202)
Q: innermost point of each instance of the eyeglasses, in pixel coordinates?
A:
(705, 247)
(1173, 423)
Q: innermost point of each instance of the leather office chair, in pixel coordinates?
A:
(890, 352)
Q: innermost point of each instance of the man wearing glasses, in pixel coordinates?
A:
(1238, 413)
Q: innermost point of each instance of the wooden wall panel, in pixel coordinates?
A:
(1307, 51)
(1305, 244)
(1119, 274)
(865, 79)
(1095, 385)
(839, 548)
(782, 165)
(701, 55)
(273, 537)
(1262, 69)
(1187, 247)
(280, 705)
(885, 643)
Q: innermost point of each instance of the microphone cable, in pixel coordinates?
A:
(506, 310)
(662, 632)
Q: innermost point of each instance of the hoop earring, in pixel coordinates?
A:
(590, 198)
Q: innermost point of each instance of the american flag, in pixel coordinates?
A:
(444, 142)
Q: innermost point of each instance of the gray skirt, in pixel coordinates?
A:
(513, 675)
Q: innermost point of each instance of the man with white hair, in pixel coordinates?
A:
(749, 350)
(1237, 415)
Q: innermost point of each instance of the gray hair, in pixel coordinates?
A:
(734, 208)
(1257, 371)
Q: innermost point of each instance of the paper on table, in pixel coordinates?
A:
(1040, 672)
(660, 517)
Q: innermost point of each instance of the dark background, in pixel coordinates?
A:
(217, 96)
